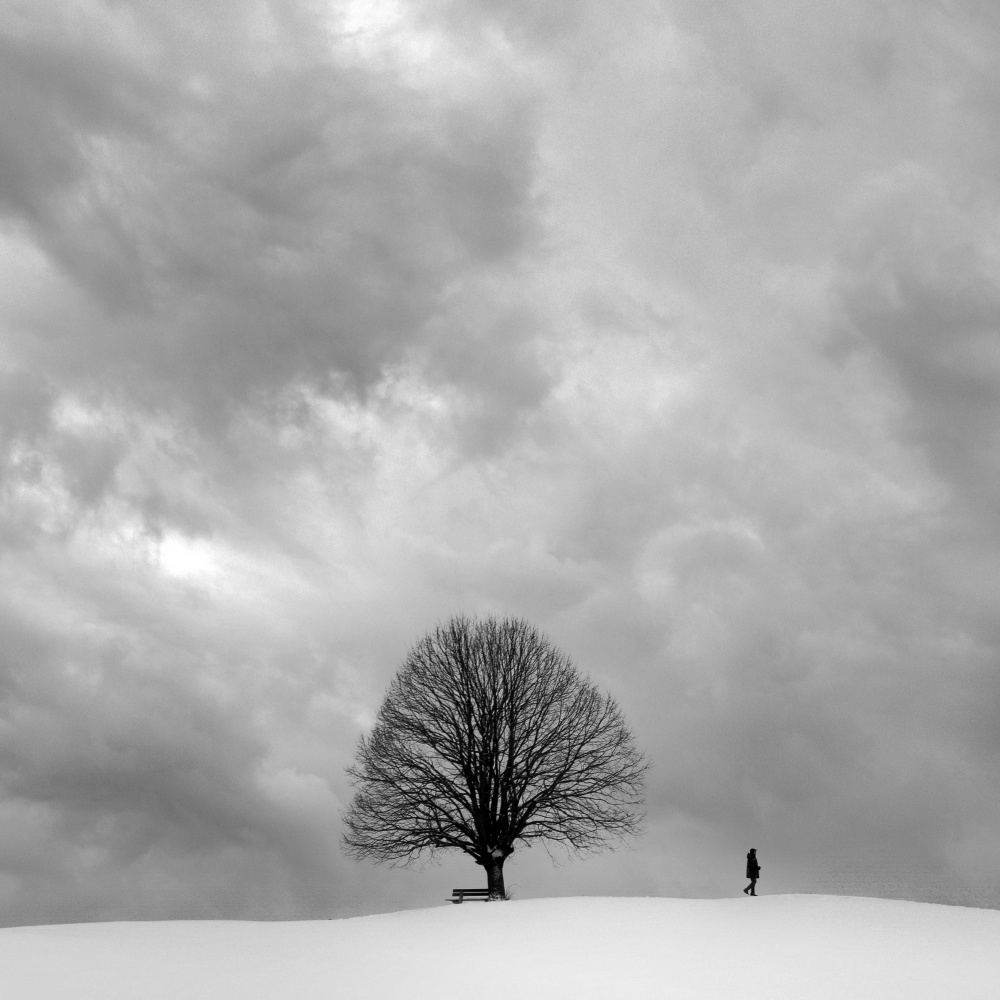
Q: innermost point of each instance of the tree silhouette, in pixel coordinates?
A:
(488, 737)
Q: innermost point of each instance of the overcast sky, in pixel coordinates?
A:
(672, 327)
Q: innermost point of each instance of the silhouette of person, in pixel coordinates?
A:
(753, 871)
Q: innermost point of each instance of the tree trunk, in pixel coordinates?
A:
(494, 878)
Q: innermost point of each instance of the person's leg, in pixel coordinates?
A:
(753, 887)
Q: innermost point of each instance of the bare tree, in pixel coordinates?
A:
(488, 737)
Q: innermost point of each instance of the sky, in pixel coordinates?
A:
(672, 327)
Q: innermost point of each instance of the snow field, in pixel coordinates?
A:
(774, 947)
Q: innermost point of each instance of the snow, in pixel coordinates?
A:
(821, 947)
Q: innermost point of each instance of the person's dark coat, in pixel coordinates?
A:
(753, 869)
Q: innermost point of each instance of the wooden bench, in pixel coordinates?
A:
(457, 895)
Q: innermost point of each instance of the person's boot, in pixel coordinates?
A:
(747, 889)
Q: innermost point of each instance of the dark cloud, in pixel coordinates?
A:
(240, 223)
(59, 90)
(924, 295)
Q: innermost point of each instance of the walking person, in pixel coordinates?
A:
(753, 871)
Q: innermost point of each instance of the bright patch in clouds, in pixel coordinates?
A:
(187, 558)
(393, 33)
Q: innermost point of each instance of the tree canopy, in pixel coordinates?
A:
(487, 738)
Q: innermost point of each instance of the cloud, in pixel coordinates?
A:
(671, 329)
(923, 293)
(246, 208)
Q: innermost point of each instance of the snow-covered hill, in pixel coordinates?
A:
(774, 947)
